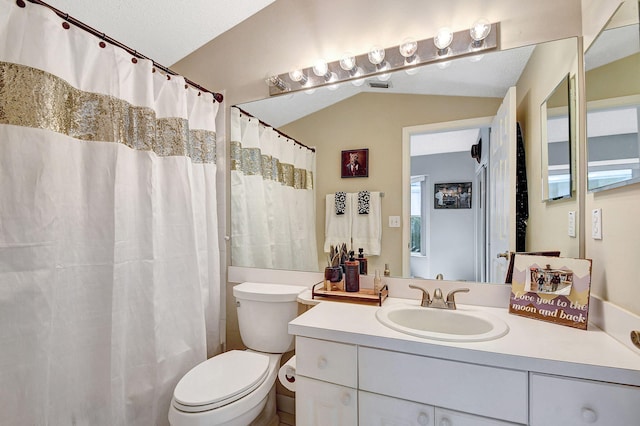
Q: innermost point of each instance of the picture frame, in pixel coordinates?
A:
(453, 195)
(354, 163)
(551, 289)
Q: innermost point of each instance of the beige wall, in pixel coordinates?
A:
(547, 225)
(375, 121)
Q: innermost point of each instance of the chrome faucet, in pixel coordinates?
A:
(426, 299)
(438, 301)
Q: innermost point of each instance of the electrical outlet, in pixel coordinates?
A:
(572, 224)
(394, 221)
(596, 224)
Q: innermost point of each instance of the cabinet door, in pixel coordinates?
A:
(568, 402)
(454, 418)
(322, 404)
(379, 410)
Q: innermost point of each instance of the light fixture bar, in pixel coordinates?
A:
(427, 53)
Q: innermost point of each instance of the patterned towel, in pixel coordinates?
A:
(341, 201)
(363, 202)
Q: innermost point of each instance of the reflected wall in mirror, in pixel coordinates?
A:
(556, 118)
(367, 116)
(612, 65)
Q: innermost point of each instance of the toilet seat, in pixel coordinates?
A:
(218, 381)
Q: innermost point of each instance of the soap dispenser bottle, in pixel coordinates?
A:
(352, 274)
(363, 261)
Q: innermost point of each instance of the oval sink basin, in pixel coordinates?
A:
(441, 324)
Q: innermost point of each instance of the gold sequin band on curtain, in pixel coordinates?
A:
(251, 162)
(30, 97)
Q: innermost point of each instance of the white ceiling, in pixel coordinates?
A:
(165, 31)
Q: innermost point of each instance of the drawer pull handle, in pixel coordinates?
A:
(589, 415)
(345, 399)
(322, 363)
(444, 422)
(423, 419)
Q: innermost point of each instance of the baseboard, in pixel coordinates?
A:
(286, 404)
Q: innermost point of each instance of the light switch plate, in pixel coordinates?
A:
(596, 224)
(572, 224)
(394, 221)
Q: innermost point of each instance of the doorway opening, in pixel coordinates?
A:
(445, 201)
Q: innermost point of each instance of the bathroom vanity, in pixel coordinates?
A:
(353, 370)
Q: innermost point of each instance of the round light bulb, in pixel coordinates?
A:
(376, 55)
(348, 62)
(276, 81)
(359, 82)
(480, 30)
(320, 68)
(408, 47)
(443, 38)
(384, 77)
(298, 75)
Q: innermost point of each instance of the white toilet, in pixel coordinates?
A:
(233, 388)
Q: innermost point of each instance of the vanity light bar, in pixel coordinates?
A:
(427, 53)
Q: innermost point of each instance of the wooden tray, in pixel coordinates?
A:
(365, 295)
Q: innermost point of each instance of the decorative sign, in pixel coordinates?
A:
(553, 289)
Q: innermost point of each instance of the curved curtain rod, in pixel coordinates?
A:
(217, 96)
(276, 130)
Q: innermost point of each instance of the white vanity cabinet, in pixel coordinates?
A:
(343, 384)
(327, 378)
(568, 402)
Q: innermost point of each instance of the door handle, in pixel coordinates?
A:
(505, 255)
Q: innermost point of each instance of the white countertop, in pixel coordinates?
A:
(530, 345)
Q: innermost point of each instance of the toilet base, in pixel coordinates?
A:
(268, 416)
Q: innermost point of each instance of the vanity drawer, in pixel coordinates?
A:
(329, 361)
(564, 401)
(380, 410)
(486, 391)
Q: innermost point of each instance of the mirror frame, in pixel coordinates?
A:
(545, 112)
(616, 101)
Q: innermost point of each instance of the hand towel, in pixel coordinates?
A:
(366, 229)
(341, 200)
(337, 228)
(363, 202)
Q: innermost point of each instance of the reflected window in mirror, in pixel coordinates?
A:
(419, 219)
(557, 118)
(612, 65)
(613, 144)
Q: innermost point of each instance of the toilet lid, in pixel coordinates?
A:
(222, 379)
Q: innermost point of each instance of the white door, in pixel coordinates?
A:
(502, 189)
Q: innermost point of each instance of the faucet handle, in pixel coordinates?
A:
(426, 300)
(451, 301)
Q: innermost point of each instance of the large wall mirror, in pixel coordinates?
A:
(374, 115)
(557, 135)
(612, 67)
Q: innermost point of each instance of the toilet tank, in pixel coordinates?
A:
(264, 312)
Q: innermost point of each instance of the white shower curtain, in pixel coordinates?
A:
(273, 215)
(109, 255)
